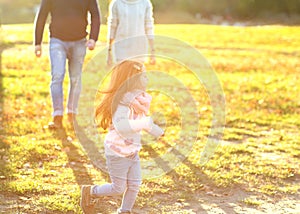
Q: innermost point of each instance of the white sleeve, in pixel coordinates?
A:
(124, 125)
(156, 131)
(149, 20)
(113, 20)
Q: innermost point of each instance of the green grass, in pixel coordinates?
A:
(42, 171)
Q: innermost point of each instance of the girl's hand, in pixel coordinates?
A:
(138, 107)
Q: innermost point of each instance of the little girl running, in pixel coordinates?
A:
(122, 111)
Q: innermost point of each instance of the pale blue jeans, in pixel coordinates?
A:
(125, 175)
(61, 52)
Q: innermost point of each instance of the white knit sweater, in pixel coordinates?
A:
(130, 24)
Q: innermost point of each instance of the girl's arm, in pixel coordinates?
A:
(124, 125)
(129, 99)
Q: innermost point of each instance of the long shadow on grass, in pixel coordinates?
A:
(183, 184)
(3, 146)
(91, 149)
(1, 98)
(225, 206)
(81, 174)
(2, 48)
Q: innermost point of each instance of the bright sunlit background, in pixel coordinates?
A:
(253, 47)
(181, 11)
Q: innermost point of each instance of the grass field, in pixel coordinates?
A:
(255, 169)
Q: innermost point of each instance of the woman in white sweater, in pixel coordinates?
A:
(130, 30)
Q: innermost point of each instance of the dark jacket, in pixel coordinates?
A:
(68, 19)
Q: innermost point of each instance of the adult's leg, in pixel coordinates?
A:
(76, 54)
(58, 62)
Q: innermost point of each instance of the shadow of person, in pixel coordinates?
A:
(79, 169)
(205, 190)
(3, 146)
(89, 146)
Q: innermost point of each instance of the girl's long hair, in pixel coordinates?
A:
(124, 78)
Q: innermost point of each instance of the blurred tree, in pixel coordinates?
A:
(277, 6)
(163, 5)
(17, 11)
(245, 8)
(289, 7)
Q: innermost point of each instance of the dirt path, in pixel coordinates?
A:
(227, 202)
(202, 202)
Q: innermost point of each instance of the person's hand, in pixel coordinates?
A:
(91, 44)
(109, 58)
(38, 50)
(152, 59)
(138, 107)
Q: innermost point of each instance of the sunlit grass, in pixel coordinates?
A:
(258, 68)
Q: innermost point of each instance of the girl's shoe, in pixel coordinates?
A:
(123, 212)
(86, 203)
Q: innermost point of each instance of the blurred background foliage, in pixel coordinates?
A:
(176, 11)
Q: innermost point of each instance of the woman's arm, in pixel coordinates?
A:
(149, 28)
(112, 25)
(149, 21)
(112, 21)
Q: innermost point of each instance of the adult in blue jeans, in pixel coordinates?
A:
(68, 43)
